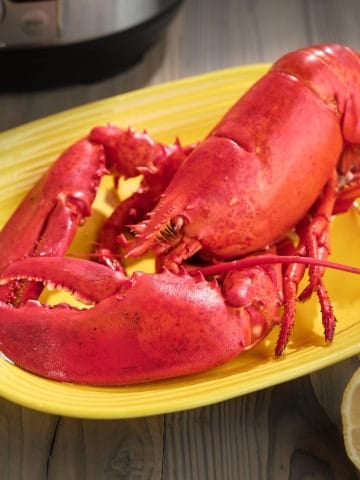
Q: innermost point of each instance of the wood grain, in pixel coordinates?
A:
(107, 449)
(278, 433)
(291, 431)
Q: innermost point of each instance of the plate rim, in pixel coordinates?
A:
(133, 411)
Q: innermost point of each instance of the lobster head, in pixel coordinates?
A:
(169, 238)
(198, 206)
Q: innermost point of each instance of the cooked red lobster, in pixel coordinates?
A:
(221, 218)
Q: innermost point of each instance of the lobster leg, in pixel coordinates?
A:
(314, 233)
(129, 337)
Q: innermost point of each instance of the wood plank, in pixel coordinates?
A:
(95, 449)
(25, 442)
(278, 433)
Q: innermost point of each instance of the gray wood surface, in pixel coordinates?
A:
(291, 431)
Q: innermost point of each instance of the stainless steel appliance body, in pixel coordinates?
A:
(57, 35)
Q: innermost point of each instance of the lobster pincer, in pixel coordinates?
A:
(48, 218)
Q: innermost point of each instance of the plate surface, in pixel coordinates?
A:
(188, 109)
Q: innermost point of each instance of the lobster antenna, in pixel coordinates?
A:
(270, 259)
(251, 261)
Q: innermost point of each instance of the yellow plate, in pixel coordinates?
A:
(186, 108)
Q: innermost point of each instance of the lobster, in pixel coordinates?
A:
(234, 222)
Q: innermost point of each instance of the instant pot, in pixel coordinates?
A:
(55, 41)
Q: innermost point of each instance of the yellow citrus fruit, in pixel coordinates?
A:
(350, 414)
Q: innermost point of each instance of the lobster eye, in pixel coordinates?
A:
(177, 223)
(172, 228)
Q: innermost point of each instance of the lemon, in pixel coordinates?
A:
(350, 414)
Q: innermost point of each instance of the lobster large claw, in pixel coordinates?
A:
(141, 328)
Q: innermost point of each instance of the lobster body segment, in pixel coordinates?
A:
(281, 161)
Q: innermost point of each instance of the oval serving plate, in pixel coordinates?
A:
(183, 109)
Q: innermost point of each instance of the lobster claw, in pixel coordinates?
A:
(47, 219)
(141, 328)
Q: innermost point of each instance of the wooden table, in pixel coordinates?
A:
(288, 431)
